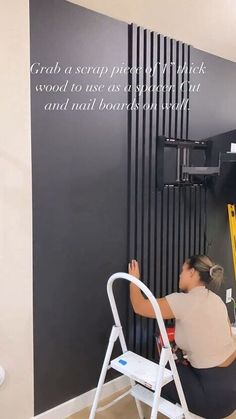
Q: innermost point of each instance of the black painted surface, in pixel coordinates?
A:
(212, 108)
(222, 192)
(79, 163)
(212, 115)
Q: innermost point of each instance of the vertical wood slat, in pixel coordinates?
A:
(165, 226)
(184, 112)
(132, 171)
(139, 184)
(153, 201)
(146, 182)
(173, 82)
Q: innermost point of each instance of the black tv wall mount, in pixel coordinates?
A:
(187, 171)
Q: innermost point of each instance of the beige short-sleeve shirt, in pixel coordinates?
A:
(202, 328)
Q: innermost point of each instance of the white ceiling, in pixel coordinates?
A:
(209, 25)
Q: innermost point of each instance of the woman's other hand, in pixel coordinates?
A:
(142, 305)
(133, 268)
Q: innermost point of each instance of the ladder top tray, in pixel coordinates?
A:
(140, 369)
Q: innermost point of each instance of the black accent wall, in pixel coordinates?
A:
(212, 116)
(166, 226)
(95, 202)
(79, 169)
(213, 106)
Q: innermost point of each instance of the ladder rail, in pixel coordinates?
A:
(149, 295)
(166, 354)
(160, 322)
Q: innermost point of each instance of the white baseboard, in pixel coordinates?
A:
(73, 406)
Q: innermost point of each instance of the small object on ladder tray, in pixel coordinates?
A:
(178, 354)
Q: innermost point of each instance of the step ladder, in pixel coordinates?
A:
(232, 227)
(146, 377)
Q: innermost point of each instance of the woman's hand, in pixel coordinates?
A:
(142, 305)
(133, 268)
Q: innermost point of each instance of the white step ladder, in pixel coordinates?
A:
(150, 375)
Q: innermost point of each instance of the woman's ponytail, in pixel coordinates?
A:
(217, 275)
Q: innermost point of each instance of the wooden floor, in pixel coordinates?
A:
(124, 409)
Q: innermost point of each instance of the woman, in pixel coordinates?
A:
(203, 332)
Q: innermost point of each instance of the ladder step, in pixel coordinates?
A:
(167, 408)
(140, 369)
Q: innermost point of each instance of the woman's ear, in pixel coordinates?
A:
(192, 271)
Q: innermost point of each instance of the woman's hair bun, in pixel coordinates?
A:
(217, 274)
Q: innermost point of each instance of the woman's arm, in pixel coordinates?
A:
(230, 327)
(141, 305)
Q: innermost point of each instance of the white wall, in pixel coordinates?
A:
(16, 330)
(206, 24)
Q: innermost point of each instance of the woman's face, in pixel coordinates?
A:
(185, 277)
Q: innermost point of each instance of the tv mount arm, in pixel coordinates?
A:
(185, 171)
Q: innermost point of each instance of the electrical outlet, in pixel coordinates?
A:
(228, 295)
(2, 375)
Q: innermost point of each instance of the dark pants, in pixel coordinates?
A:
(209, 392)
